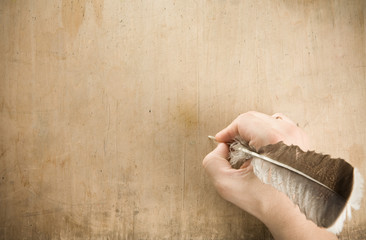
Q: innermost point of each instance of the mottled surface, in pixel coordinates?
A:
(106, 107)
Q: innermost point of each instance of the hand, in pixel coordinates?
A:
(244, 189)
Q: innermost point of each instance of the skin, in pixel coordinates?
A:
(242, 188)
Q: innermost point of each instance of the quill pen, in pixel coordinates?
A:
(324, 188)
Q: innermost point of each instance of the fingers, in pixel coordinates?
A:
(251, 127)
(293, 134)
(228, 133)
(259, 129)
(232, 131)
(216, 160)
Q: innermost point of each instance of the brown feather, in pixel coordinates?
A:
(320, 185)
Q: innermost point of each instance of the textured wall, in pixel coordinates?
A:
(106, 107)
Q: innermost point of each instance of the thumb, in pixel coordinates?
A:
(217, 159)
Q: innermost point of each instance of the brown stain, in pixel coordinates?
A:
(25, 180)
(3, 153)
(73, 15)
(187, 116)
(356, 154)
(65, 161)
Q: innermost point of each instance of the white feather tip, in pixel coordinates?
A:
(353, 202)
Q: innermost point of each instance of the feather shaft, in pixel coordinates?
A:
(265, 158)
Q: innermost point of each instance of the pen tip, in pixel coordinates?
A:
(212, 137)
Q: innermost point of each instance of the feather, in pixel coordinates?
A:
(324, 188)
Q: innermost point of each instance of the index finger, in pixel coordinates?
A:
(248, 122)
(230, 132)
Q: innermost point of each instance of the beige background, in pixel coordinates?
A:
(106, 107)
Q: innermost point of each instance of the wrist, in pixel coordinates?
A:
(284, 219)
(275, 206)
(264, 202)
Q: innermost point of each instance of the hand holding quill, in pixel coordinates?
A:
(322, 207)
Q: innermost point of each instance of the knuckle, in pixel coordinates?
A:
(276, 115)
(241, 116)
(251, 113)
(247, 115)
